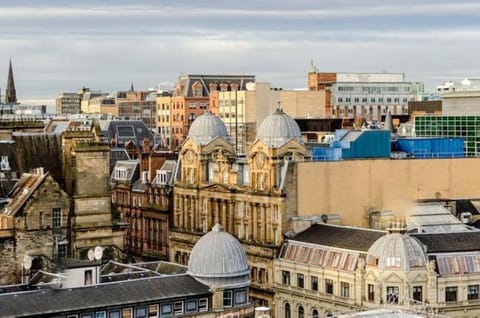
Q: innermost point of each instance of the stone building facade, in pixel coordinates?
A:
(247, 195)
(86, 166)
(142, 199)
(35, 222)
(332, 270)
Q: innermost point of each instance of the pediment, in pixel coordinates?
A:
(371, 276)
(217, 188)
(291, 146)
(216, 144)
(393, 278)
(418, 278)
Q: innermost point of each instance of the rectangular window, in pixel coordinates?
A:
(191, 305)
(300, 280)
(275, 213)
(153, 311)
(344, 289)
(240, 297)
(203, 304)
(87, 315)
(141, 312)
(392, 294)
(88, 278)
(178, 308)
(328, 286)
(167, 309)
(417, 293)
(286, 277)
(472, 292)
(56, 217)
(72, 316)
(62, 251)
(127, 313)
(227, 298)
(114, 314)
(100, 314)
(240, 209)
(314, 282)
(451, 294)
(371, 292)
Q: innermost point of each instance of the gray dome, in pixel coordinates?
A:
(278, 128)
(219, 260)
(396, 251)
(206, 128)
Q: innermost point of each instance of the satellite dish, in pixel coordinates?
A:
(98, 253)
(91, 254)
(27, 262)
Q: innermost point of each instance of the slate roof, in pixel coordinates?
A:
(49, 302)
(358, 239)
(450, 242)
(119, 132)
(188, 80)
(23, 190)
(117, 154)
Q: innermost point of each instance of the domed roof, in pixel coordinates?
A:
(396, 251)
(278, 128)
(206, 128)
(219, 260)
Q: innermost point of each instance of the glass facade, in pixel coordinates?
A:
(467, 127)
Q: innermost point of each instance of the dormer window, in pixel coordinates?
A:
(234, 86)
(197, 89)
(224, 87)
(121, 173)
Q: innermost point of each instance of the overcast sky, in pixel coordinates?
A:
(105, 45)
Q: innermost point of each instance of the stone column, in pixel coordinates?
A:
(255, 222)
(193, 211)
(231, 217)
(217, 217)
(268, 221)
(223, 204)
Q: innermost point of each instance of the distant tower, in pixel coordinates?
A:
(131, 87)
(10, 93)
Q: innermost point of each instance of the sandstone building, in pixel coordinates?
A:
(247, 195)
(330, 270)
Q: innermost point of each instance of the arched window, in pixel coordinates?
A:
(314, 313)
(287, 311)
(191, 117)
(301, 312)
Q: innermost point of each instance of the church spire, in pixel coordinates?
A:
(10, 93)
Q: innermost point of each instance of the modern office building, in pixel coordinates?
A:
(464, 126)
(364, 96)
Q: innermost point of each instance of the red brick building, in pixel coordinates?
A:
(191, 97)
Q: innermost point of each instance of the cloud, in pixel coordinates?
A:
(108, 44)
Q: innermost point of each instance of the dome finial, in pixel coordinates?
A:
(279, 110)
(218, 228)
